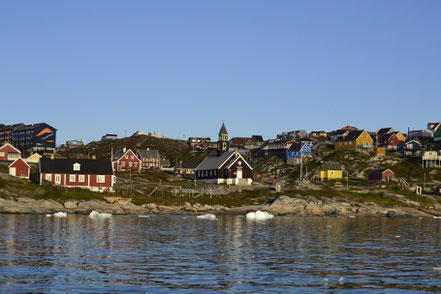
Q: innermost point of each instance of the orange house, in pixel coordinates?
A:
(355, 139)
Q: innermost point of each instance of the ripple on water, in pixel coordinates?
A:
(183, 254)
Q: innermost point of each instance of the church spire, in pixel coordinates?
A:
(222, 143)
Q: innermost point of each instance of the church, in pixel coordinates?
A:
(224, 166)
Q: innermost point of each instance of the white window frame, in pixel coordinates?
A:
(81, 179)
(100, 179)
(76, 166)
(48, 177)
(2, 154)
(57, 179)
(72, 178)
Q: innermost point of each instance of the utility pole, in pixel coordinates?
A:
(347, 180)
(424, 187)
(301, 168)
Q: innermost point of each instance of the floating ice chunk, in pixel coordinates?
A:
(96, 214)
(325, 280)
(397, 236)
(436, 216)
(259, 215)
(48, 215)
(60, 214)
(208, 216)
(352, 216)
(437, 269)
(341, 281)
(143, 215)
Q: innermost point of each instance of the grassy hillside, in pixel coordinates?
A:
(173, 150)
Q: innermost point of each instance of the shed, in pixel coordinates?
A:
(19, 168)
(381, 175)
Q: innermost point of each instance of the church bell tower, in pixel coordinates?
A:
(222, 143)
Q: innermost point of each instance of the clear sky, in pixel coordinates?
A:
(182, 67)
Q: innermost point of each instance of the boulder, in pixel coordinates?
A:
(71, 204)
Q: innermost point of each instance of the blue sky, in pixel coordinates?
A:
(182, 67)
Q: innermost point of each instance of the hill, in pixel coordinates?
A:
(171, 149)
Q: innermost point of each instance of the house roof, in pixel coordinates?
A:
(384, 131)
(223, 130)
(351, 136)
(186, 164)
(165, 162)
(257, 138)
(144, 153)
(19, 159)
(295, 147)
(239, 140)
(10, 146)
(349, 128)
(212, 161)
(380, 171)
(120, 153)
(386, 137)
(87, 166)
(331, 165)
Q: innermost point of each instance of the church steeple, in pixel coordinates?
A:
(222, 143)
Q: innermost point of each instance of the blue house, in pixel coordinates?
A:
(297, 152)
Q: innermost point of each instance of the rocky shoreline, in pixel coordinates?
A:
(282, 205)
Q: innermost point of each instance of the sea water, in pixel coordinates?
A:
(183, 254)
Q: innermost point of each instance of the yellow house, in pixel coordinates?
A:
(330, 171)
(400, 136)
(355, 139)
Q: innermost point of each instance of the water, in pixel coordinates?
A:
(183, 254)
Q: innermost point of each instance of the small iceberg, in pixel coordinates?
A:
(259, 215)
(341, 281)
(436, 216)
(208, 216)
(60, 214)
(96, 214)
(143, 216)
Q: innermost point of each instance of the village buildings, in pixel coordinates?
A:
(224, 166)
(19, 168)
(354, 139)
(126, 159)
(95, 175)
(150, 159)
(381, 175)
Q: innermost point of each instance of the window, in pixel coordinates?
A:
(127, 157)
(136, 164)
(130, 164)
(332, 172)
(100, 179)
(123, 163)
(76, 166)
(2, 154)
(72, 178)
(131, 157)
(81, 178)
(48, 177)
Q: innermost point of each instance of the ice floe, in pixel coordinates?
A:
(208, 216)
(96, 214)
(259, 215)
(60, 214)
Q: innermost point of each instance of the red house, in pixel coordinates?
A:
(150, 159)
(381, 175)
(9, 153)
(19, 168)
(92, 174)
(126, 160)
(391, 141)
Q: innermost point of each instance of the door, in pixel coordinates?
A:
(57, 179)
(12, 171)
(239, 174)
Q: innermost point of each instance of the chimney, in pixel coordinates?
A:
(148, 149)
(124, 150)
